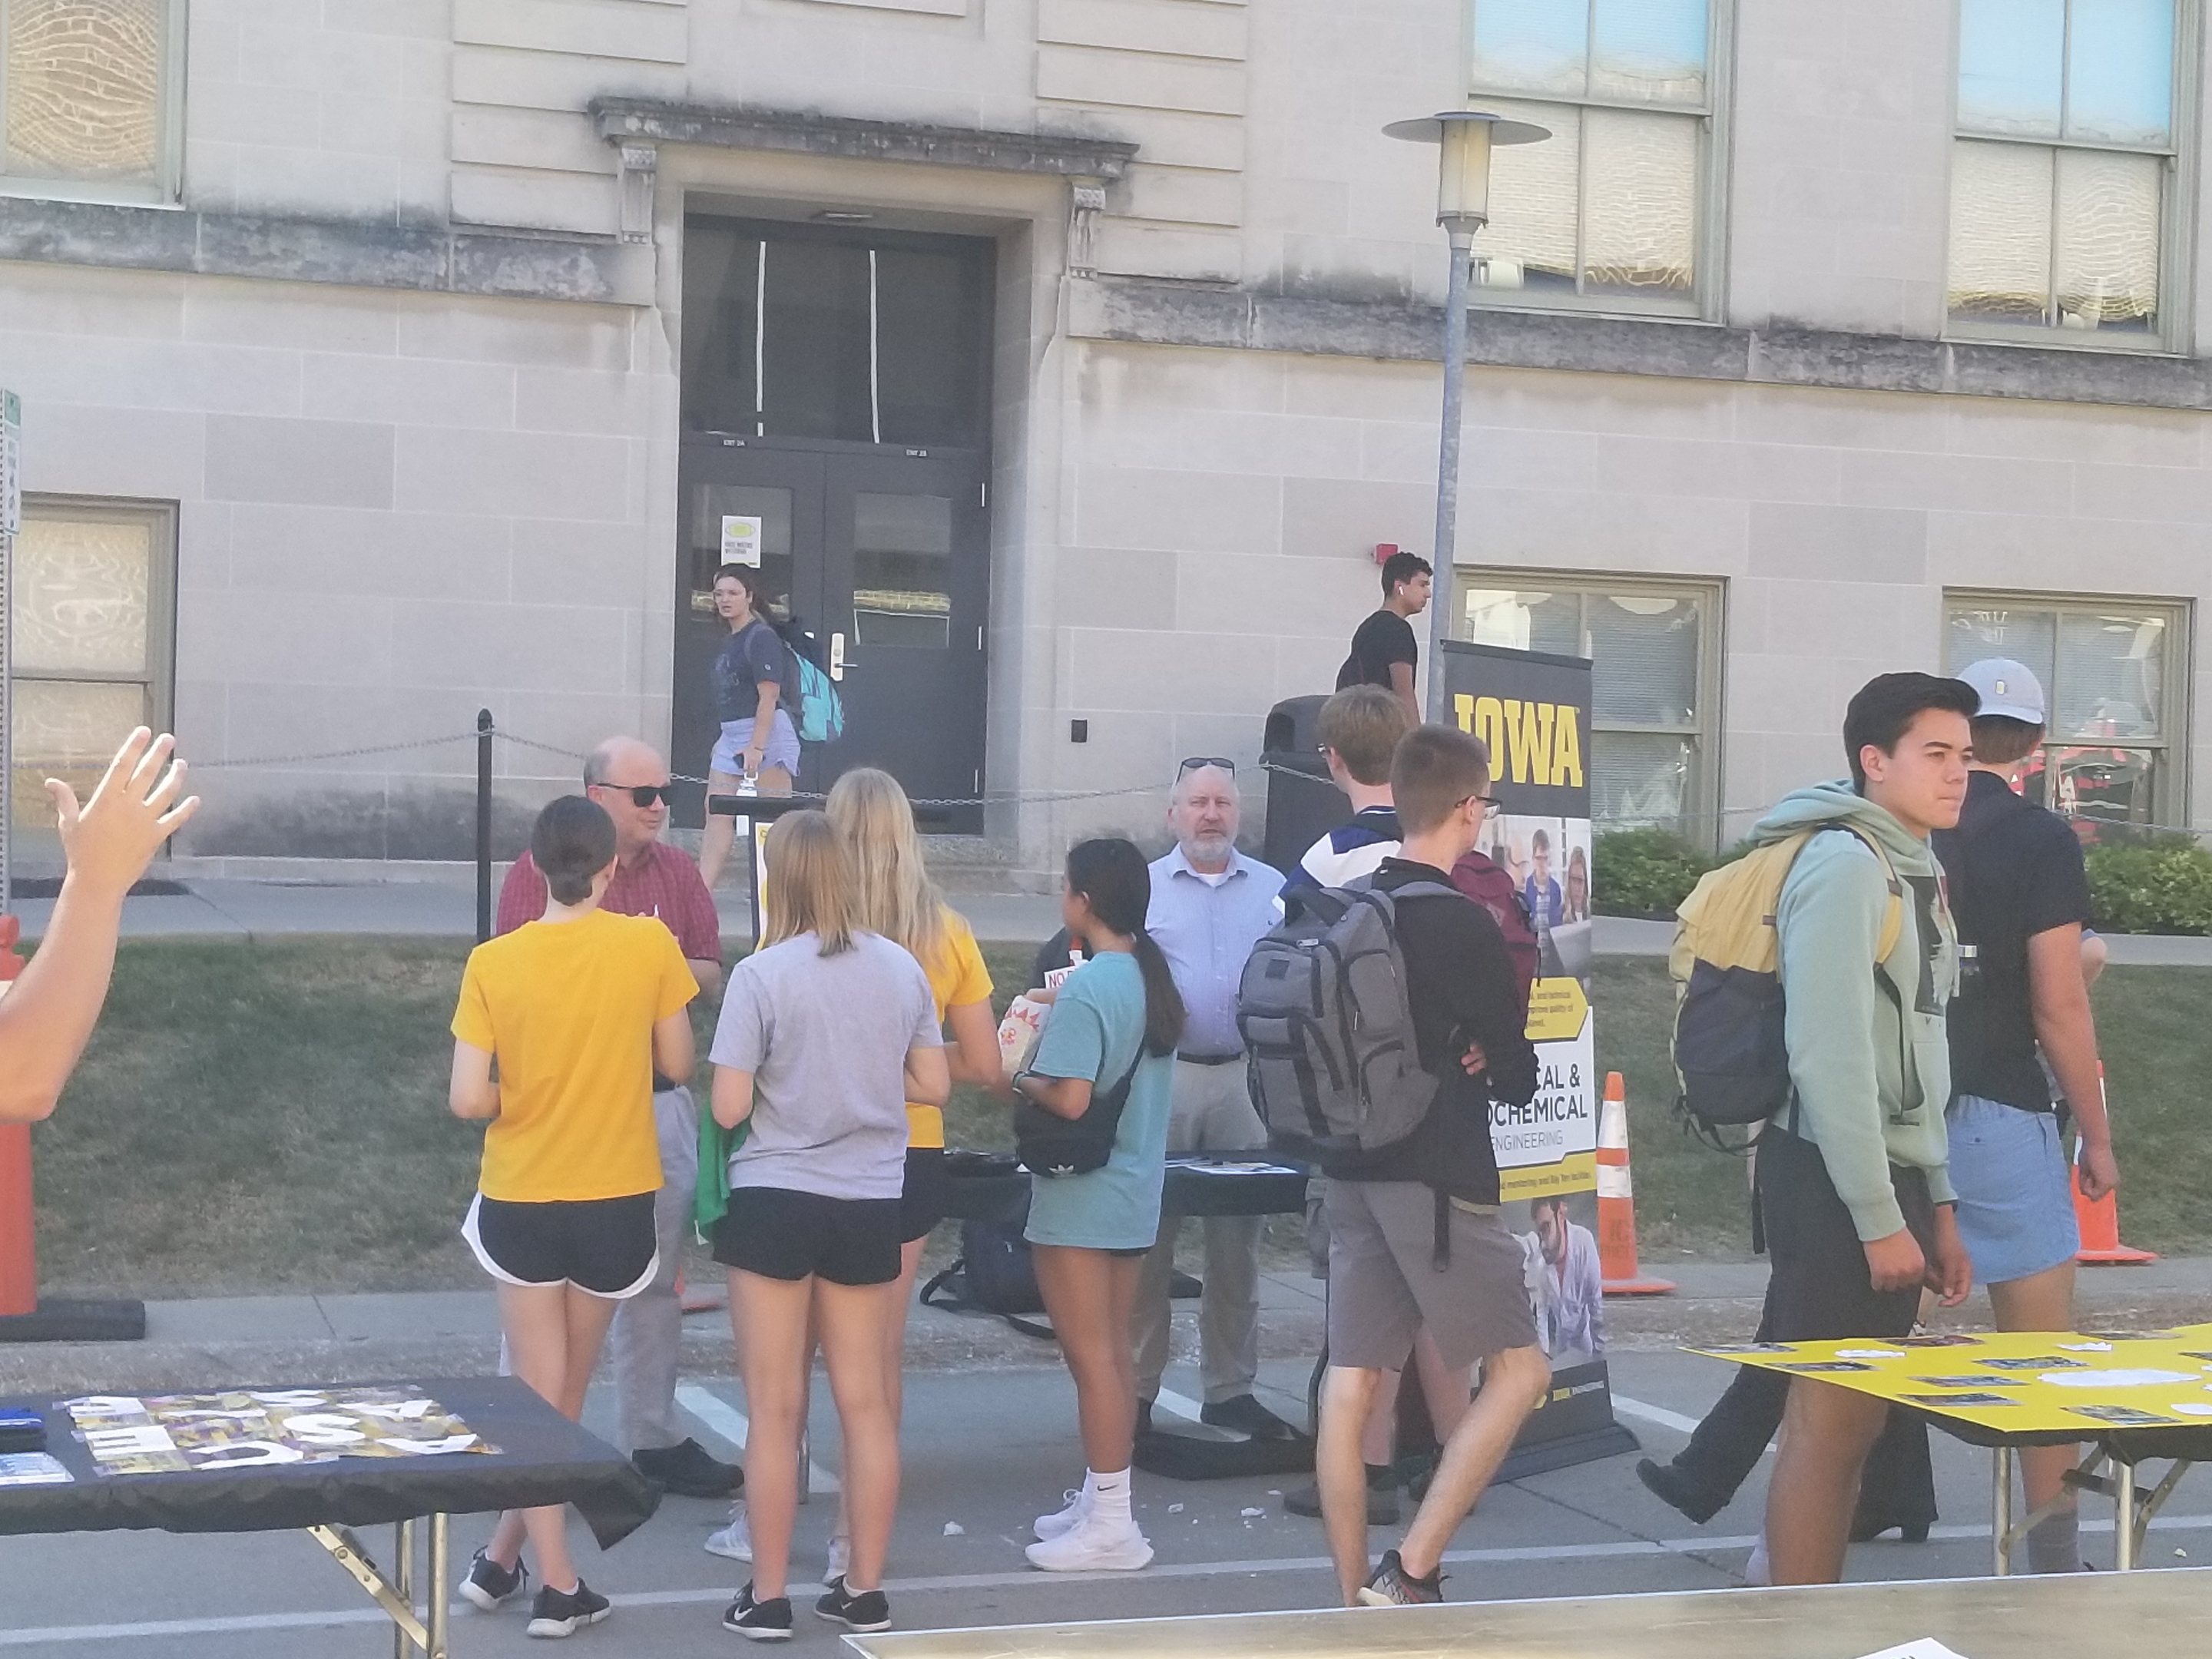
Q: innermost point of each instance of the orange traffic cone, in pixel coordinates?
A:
(1616, 1200)
(2099, 1220)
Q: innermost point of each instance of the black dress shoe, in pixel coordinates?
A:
(1247, 1416)
(688, 1469)
(1677, 1490)
(1865, 1529)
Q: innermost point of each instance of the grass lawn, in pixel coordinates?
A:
(271, 1116)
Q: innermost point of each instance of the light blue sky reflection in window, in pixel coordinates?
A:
(1532, 46)
(2120, 81)
(2011, 55)
(1652, 49)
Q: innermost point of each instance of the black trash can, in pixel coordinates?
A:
(1303, 804)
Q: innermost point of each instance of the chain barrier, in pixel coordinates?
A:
(989, 799)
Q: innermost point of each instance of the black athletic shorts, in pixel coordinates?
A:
(921, 1205)
(602, 1245)
(1821, 1289)
(781, 1234)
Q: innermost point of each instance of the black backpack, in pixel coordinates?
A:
(994, 1273)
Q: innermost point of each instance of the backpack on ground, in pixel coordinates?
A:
(1729, 1049)
(1327, 1027)
(819, 711)
(1482, 880)
(994, 1273)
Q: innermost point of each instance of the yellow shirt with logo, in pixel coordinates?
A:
(567, 1010)
(956, 978)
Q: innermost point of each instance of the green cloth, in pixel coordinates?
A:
(1871, 1065)
(710, 1200)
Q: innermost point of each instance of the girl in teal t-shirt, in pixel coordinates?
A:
(1089, 1233)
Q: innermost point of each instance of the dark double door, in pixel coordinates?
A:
(884, 555)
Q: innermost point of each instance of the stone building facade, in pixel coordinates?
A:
(1067, 361)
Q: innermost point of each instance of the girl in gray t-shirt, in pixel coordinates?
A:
(825, 1034)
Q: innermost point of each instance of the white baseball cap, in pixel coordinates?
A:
(2008, 689)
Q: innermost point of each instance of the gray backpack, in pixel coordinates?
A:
(1328, 1032)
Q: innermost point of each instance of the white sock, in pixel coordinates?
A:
(1110, 1497)
(1757, 1570)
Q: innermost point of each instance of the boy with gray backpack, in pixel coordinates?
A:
(1382, 1019)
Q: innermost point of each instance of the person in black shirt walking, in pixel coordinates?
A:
(2021, 899)
(1383, 650)
(1416, 1240)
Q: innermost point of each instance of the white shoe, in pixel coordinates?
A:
(841, 1558)
(1049, 1526)
(1093, 1545)
(735, 1541)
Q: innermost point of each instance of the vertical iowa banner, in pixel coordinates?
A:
(1531, 712)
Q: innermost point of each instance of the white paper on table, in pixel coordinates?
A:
(1926, 1648)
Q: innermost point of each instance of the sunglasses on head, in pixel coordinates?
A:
(1200, 762)
(645, 794)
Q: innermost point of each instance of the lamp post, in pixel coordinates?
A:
(1464, 139)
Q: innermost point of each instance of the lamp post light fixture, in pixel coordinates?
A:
(1464, 138)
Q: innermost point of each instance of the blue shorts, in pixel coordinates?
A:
(2015, 1192)
(782, 748)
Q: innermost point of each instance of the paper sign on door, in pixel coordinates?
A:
(741, 539)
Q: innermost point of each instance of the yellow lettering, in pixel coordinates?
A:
(1567, 748)
(1490, 727)
(1463, 706)
(1528, 741)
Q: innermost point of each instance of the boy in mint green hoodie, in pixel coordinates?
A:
(1854, 1193)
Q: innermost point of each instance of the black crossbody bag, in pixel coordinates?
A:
(1051, 1145)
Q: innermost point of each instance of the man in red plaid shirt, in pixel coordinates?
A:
(630, 780)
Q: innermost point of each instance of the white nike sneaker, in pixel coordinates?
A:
(735, 1541)
(1093, 1545)
(1076, 1506)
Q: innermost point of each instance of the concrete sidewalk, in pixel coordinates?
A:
(442, 904)
(217, 1341)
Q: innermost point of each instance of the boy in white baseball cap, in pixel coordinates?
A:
(2020, 897)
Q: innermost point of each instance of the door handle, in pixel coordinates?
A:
(836, 656)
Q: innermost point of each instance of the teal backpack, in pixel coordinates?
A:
(820, 715)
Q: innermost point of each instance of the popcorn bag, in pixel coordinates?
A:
(1019, 1031)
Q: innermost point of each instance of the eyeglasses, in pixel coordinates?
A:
(643, 795)
(1487, 801)
(1200, 762)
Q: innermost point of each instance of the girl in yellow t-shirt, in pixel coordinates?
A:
(578, 1010)
(898, 900)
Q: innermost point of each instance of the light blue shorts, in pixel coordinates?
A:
(2015, 1192)
(782, 748)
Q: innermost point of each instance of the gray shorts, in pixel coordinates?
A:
(1384, 1283)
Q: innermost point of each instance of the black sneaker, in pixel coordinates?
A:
(563, 1613)
(1675, 1489)
(1247, 1415)
(688, 1469)
(1392, 1586)
(758, 1621)
(868, 1611)
(487, 1585)
(1382, 1497)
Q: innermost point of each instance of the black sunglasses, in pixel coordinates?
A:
(644, 794)
(1200, 762)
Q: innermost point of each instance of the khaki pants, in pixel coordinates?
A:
(647, 1339)
(1212, 1112)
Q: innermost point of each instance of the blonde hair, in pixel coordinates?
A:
(809, 884)
(893, 894)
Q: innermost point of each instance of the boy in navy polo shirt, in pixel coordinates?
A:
(2021, 899)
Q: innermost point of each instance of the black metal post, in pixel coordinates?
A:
(483, 824)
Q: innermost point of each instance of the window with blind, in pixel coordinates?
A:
(93, 598)
(1655, 654)
(2114, 681)
(91, 99)
(2066, 215)
(1611, 211)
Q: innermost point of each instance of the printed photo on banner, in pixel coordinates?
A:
(1564, 1278)
(1549, 860)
